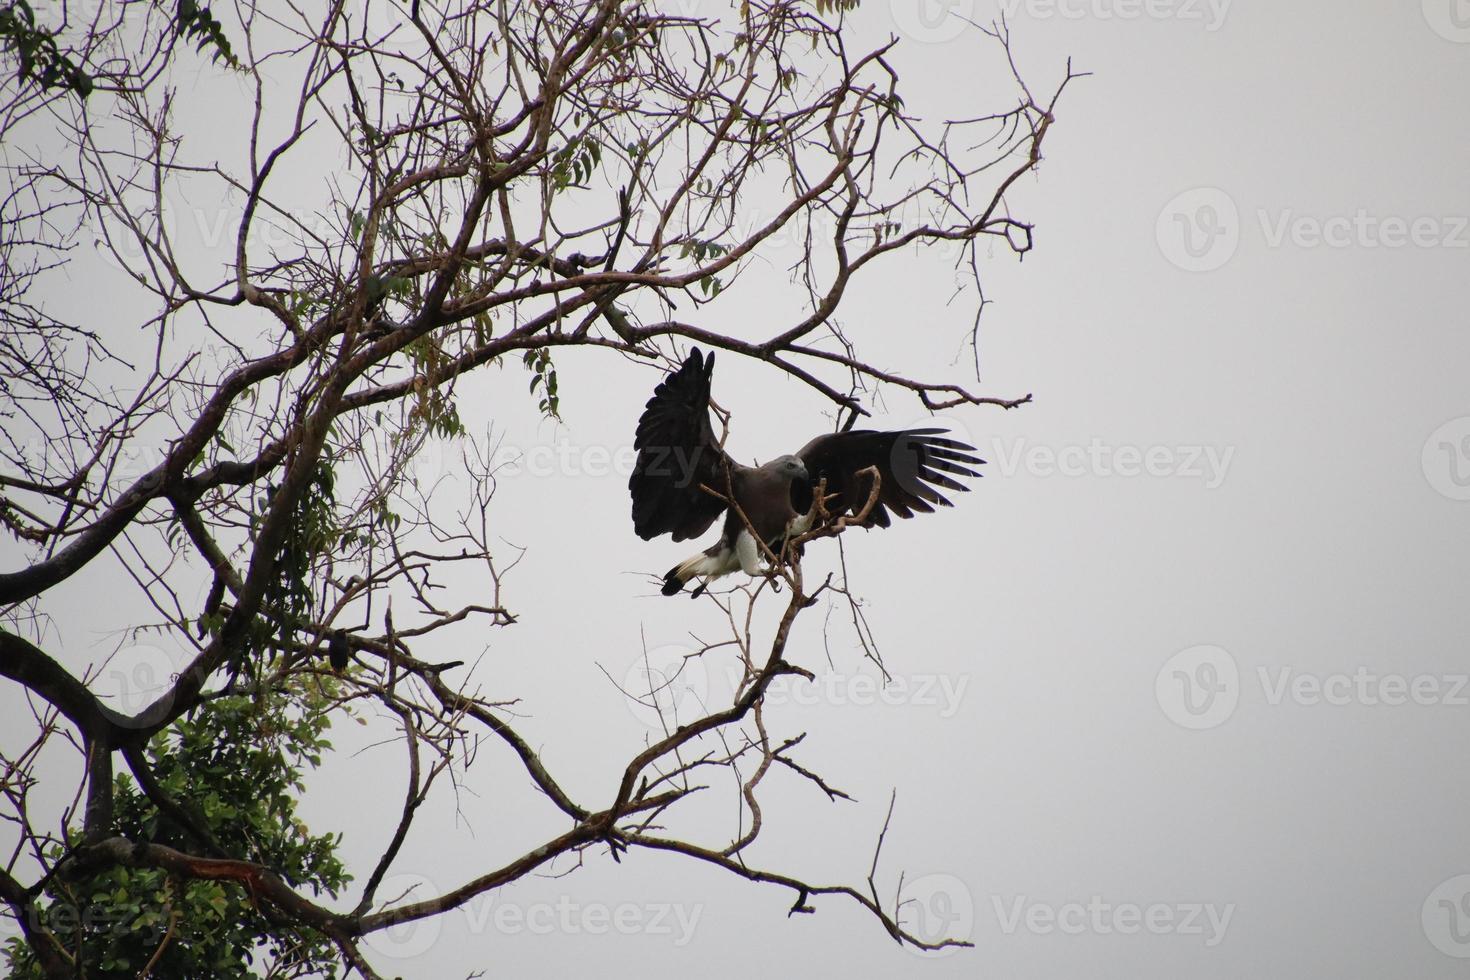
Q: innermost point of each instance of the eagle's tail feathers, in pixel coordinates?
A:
(710, 564)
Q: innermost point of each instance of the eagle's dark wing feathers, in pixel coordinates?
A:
(911, 463)
(677, 451)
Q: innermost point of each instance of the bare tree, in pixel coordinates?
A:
(415, 192)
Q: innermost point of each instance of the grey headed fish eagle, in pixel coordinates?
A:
(680, 462)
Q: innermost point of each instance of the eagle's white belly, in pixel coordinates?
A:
(743, 556)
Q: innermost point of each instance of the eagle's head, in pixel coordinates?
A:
(791, 467)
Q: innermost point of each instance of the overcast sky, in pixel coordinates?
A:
(1179, 689)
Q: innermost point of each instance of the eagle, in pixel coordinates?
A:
(682, 479)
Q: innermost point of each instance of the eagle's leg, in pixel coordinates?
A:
(748, 554)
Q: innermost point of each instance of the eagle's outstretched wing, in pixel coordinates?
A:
(677, 451)
(911, 464)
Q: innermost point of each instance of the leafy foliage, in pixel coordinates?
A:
(543, 376)
(235, 766)
(433, 405)
(39, 57)
(311, 532)
(197, 24)
(37, 52)
(574, 164)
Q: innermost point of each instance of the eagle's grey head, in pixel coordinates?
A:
(790, 467)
